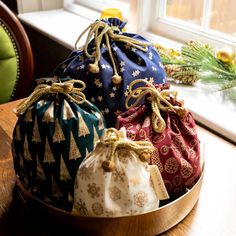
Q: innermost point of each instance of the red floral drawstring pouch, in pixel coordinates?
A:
(164, 121)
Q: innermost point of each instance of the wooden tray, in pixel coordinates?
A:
(151, 223)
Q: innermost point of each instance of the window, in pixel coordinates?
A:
(210, 21)
(205, 21)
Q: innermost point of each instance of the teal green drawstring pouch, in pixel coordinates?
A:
(56, 129)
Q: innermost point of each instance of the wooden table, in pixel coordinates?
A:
(213, 215)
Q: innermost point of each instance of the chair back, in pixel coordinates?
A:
(16, 58)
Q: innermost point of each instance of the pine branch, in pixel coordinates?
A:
(198, 62)
(228, 85)
(194, 53)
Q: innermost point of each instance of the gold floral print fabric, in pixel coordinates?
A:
(127, 190)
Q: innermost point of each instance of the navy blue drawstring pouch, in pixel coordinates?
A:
(108, 62)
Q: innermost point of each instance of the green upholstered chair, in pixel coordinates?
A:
(16, 59)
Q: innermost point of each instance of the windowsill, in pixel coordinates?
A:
(64, 27)
(208, 107)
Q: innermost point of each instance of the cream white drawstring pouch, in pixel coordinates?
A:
(116, 180)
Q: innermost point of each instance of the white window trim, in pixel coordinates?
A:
(195, 97)
(181, 32)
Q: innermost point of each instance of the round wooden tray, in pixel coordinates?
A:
(151, 223)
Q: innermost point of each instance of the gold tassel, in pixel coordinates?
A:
(113, 138)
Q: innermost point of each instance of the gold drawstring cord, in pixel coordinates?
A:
(114, 139)
(67, 88)
(159, 101)
(100, 29)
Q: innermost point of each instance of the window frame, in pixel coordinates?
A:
(210, 114)
(180, 31)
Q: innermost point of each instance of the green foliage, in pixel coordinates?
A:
(201, 60)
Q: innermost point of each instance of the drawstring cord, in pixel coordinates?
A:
(67, 88)
(113, 138)
(100, 30)
(159, 101)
